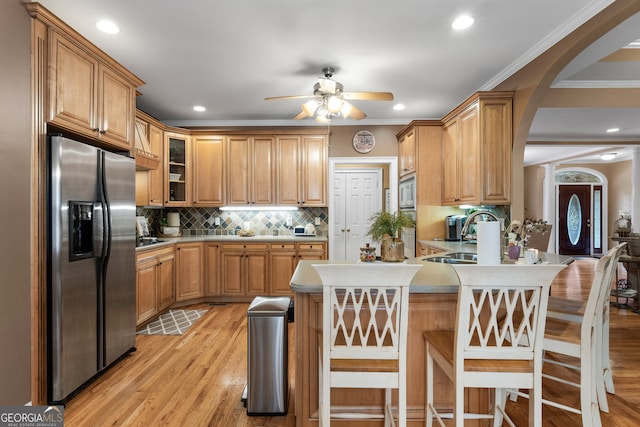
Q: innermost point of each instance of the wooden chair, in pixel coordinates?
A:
(497, 343)
(364, 339)
(578, 340)
(573, 310)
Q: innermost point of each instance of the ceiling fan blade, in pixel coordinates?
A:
(277, 98)
(368, 96)
(349, 111)
(302, 115)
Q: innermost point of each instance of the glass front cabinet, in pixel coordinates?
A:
(177, 169)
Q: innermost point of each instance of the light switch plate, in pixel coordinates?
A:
(216, 220)
(317, 220)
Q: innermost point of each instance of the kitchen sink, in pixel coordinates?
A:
(467, 256)
(454, 258)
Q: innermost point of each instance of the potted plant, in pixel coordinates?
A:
(385, 228)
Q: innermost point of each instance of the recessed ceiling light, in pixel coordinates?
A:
(611, 130)
(398, 107)
(608, 156)
(199, 108)
(462, 22)
(108, 27)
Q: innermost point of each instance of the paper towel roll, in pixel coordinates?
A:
(488, 235)
(173, 219)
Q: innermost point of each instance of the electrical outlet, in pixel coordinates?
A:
(216, 220)
(317, 220)
(289, 221)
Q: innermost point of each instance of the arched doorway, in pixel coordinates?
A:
(581, 212)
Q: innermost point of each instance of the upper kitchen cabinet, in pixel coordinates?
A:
(407, 153)
(314, 170)
(177, 166)
(209, 171)
(149, 155)
(250, 172)
(90, 94)
(302, 170)
(476, 151)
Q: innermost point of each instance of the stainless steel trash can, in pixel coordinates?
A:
(268, 350)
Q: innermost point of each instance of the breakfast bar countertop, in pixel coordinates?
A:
(433, 278)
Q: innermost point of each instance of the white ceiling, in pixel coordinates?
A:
(228, 56)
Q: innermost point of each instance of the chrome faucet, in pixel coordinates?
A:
(471, 219)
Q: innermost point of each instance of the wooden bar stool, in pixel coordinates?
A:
(573, 310)
(497, 343)
(364, 338)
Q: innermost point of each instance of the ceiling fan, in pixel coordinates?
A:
(330, 101)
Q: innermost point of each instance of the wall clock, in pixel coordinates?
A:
(364, 141)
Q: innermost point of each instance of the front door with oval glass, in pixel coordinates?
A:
(574, 217)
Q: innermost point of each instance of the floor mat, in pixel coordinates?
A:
(173, 322)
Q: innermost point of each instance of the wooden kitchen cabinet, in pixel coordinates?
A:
(407, 153)
(177, 169)
(283, 260)
(150, 181)
(212, 272)
(314, 153)
(460, 159)
(146, 297)
(189, 272)
(90, 95)
(209, 171)
(311, 251)
(166, 277)
(302, 170)
(244, 269)
(476, 151)
(155, 282)
(250, 172)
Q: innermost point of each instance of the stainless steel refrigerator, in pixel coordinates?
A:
(91, 263)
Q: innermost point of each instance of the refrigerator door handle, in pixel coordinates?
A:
(99, 239)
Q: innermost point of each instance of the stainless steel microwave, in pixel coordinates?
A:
(407, 193)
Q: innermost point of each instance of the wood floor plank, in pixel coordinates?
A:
(196, 379)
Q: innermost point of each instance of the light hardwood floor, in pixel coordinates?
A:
(197, 379)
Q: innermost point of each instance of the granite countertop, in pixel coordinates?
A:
(164, 241)
(433, 278)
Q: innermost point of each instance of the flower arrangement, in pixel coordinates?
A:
(518, 231)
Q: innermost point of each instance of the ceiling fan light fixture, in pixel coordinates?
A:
(608, 156)
(346, 109)
(323, 119)
(310, 107)
(334, 104)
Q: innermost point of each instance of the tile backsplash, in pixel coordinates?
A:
(201, 221)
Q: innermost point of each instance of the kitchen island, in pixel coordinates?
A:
(432, 306)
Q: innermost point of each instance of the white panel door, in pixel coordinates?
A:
(357, 197)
